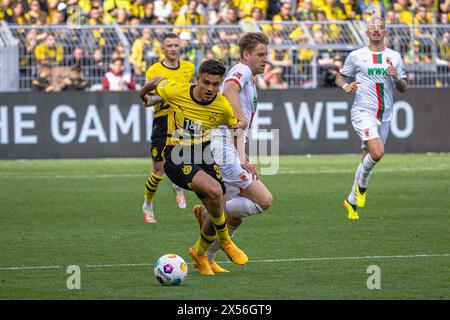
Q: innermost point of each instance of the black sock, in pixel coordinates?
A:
(362, 190)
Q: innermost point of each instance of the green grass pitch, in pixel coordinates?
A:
(88, 213)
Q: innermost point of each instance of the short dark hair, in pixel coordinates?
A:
(76, 68)
(213, 67)
(170, 35)
(117, 59)
(250, 40)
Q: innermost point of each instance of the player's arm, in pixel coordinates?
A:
(231, 92)
(345, 79)
(400, 84)
(144, 93)
(346, 83)
(247, 166)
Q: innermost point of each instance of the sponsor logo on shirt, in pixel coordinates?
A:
(237, 75)
(377, 72)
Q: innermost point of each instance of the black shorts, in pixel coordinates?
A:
(182, 173)
(159, 135)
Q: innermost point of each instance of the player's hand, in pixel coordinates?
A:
(144, 99)
(153, 99)
(351, 88)
(241, 124)
(250, 169)
(392, 71)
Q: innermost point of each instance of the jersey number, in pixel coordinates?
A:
(191, 126)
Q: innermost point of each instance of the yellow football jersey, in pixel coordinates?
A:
(182, 74)
(190, 121)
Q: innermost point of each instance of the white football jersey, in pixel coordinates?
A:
(242, 75)
(376, 87)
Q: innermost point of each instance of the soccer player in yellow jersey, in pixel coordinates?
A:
(180, 71)
(194, 111)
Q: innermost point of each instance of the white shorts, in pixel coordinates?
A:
(226, 156)
(368, 127)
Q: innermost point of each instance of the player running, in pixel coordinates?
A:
(246, 194)
(194, 111)
(378, 71)
(178, 70)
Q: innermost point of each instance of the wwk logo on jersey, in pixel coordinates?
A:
(377, 72)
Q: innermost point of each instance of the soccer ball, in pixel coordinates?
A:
(170, 269)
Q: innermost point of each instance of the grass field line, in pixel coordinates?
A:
(227, 261)
(76, 175)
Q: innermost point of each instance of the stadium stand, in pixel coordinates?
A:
(306, 36)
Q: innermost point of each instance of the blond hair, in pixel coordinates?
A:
(250, 40)
(373, 19)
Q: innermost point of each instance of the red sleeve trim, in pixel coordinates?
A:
(235, 81)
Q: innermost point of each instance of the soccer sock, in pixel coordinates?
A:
(242, 207)
(151, 186)
(203, 243)
(221, 227)
(351, 197)
(215, 246)
(366, 170)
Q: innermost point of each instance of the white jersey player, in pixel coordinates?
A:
(377, 70)
(246, 194)
(223, 148)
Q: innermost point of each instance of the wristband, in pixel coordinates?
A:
(344, 86)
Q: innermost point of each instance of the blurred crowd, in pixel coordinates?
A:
(49, 55)
(182, 12)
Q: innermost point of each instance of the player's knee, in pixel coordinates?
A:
(377, 155)
(266, 201)
(215, 192)
(158, 171)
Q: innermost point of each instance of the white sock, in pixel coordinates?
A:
(366, 170)
(242, 207)
(215, 245)
(148, 204)
(351, 197)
